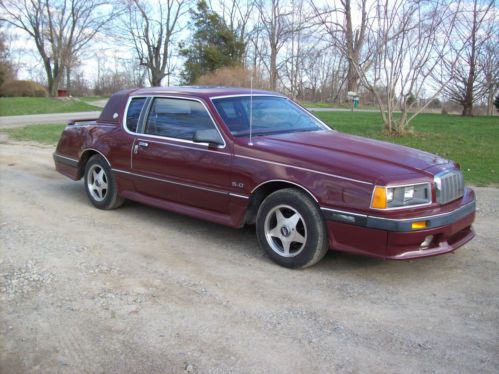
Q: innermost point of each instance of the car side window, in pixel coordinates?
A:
(133, 113)
(177, 118)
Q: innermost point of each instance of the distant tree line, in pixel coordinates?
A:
(401, 54)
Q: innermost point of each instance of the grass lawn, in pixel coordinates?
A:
(473, 142)
(46, 133)
(14, 106)
(89, 99)
(345, 105)
(309, 104)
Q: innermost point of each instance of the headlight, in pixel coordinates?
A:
(401, 196)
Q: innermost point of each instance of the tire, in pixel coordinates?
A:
(291, 229)
(100, 184)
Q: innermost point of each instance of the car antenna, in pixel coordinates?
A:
(251, 111)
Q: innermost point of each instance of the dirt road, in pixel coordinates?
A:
(139, 290)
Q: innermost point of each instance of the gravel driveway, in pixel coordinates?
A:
(140, 290)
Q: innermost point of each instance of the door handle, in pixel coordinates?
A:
(140, 144)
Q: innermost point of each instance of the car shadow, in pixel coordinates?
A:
(243, 241)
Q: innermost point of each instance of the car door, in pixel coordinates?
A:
(169, 165)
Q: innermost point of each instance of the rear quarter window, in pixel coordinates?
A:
(133, 113)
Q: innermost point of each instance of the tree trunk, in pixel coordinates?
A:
(490, 102)
(156, 78)
(467, 109)
(68, 79)
(155, 81)
(56, 81)
(468, 97)
(354, 40)
(352, 76)
(470, 83)
(54, 75)
(273, 69)
(51, 86)
(50, 77)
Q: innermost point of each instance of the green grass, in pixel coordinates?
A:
(89, 99)
(15, 106)
(345, 105)
(46, 134)
(473, 142)
(310, 104)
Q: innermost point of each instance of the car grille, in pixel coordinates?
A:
(449, 186)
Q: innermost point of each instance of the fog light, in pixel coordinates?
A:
(427, 241)
(419, 225)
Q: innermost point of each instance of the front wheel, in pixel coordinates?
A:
(291, 229)
(100, 184)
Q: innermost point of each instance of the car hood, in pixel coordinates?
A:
(351, 156)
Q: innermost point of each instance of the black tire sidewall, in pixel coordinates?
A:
(317, 243)
(111, 193)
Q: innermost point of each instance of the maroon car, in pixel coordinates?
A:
(238, 157)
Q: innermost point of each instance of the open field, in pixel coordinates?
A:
(13, 106)
(473, 142)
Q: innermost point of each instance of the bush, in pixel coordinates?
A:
(410, 100)
(232, 77)
(110, 83)
(435, 103)
(22, 88)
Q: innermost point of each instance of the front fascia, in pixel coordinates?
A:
(447, 228)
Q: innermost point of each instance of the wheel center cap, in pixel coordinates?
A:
(285, 231)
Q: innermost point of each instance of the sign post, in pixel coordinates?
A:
(355, 99)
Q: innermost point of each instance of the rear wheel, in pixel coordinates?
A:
(291, 229)
(100, 184)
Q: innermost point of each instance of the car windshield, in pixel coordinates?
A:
(270, 115)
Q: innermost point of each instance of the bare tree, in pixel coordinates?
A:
(61, 29)
(489, 62)
(151, 28)
(473, 30)
(325, 72)
(276, 29)
(302, 43)
(115, 73)
(7, 69)
(347, 33)
(407, 42)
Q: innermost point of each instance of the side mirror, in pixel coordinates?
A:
(211, 136)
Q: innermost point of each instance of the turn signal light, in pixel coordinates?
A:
(379, 198)
(419, 225)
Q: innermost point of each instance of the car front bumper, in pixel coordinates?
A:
(392, 238)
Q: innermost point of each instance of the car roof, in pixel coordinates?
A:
(202, 91)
